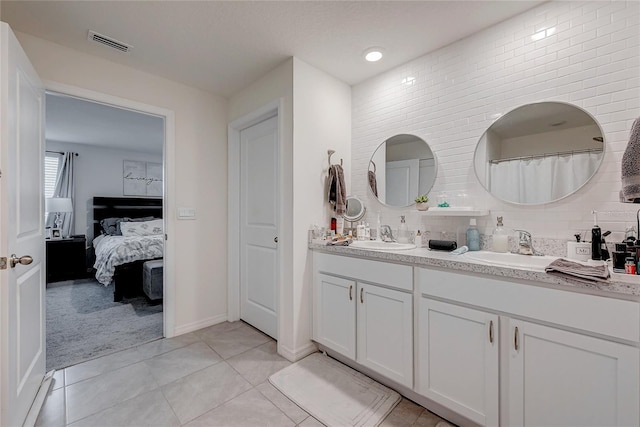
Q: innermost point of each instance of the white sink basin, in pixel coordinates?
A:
(376, 245)
(530, 262)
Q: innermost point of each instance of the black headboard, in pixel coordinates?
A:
(120, 207)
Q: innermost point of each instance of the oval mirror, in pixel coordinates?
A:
(539, 153)
(355, 209)
(402, 168)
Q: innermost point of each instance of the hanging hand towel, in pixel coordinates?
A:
(337, 189)
(373, 183)
(630, 192)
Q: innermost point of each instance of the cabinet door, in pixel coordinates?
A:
(335, 314)
(385, 332)
(560, 378)
(458, 359)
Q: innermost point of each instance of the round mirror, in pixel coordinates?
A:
(539, 153)
(402, 168)
(355, 209)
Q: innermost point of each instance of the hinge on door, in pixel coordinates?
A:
(3, 263)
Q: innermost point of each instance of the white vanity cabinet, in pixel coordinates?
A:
(335, 314)
(564, 378)
(459, 359)
(364, 310)
(574, 361)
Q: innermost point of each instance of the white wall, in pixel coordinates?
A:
(322, 121)
(278, 85)
(198, 165)
(98, 172)
(316, 111)
(591, 61)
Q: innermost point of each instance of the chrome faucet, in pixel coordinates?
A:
(525, 244)
(386, 235)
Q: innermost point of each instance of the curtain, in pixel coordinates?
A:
(65, 187)
(542, 180)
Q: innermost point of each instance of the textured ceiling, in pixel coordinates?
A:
(221, 47)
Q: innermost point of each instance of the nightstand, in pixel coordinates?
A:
(66, 259)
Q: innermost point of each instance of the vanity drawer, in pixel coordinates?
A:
(596, 314)
(382, 273)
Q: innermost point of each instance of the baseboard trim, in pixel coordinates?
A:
(300, 353)
(194, 326)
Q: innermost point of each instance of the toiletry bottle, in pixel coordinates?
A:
(418, 240)
(403, 231)
(596, 243)
(596, 239)
(360, 231)
(473, 236)
(367, 232)
(500, 238)
(630, 266)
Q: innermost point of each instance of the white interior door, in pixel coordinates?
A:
(402, 182)
(259, 202)
(22, 287)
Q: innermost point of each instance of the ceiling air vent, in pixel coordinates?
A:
(108, 41)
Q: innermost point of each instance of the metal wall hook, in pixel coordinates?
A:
(330, 153)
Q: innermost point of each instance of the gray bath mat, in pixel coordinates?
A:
(335, 394)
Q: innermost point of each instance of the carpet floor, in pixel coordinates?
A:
(83, 322)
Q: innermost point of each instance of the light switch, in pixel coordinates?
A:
(186, 213)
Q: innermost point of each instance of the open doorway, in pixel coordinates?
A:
(105, 198)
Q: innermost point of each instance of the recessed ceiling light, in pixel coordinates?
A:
(373, 54)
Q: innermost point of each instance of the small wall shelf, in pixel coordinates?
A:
(469, 212)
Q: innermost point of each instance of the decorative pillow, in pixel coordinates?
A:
(127, 219)
(147, 228)
(110, 226)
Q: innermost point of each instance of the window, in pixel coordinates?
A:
(51, 165)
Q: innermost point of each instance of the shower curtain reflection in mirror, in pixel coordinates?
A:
(540, 180)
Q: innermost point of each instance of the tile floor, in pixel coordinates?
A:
(217, 376)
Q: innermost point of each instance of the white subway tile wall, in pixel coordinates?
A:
(584, 53)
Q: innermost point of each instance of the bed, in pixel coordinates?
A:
(119, 258)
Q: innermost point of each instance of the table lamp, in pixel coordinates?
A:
(58, 205)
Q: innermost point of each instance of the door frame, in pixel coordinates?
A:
(168, 199)
(272, 109)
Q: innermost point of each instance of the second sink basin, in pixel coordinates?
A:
(377, 245)
(531, 262)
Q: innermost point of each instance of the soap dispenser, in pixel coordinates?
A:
(473, 236)
(403, 231)
(500, 238)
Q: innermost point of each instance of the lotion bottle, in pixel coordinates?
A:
(500, 238)
(418, 240)
(473, 236)
(403, 231)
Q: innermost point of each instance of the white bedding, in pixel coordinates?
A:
(112, 251)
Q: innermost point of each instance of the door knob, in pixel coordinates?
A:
(24, 260)
(275, 239)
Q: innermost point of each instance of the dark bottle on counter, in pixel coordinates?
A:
(596, 243)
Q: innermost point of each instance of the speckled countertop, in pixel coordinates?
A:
(620, 285)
